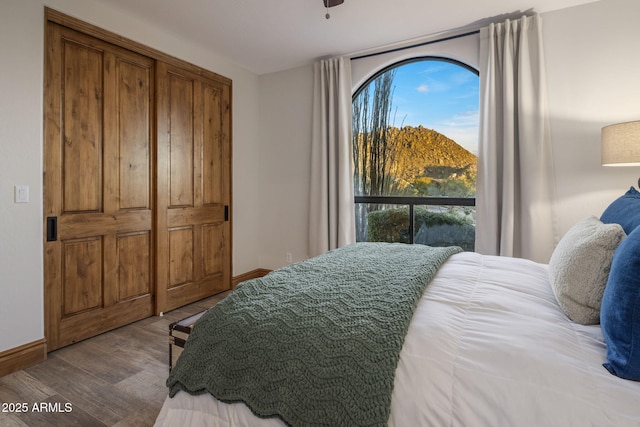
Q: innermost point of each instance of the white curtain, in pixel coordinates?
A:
(331, 207)
(516, 187)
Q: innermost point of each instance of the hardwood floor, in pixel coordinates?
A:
(114, 379)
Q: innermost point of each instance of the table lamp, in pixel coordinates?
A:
(620, 144)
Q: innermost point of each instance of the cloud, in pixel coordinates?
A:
(466, 137)
(463, 119)
(462, 128)
(423, 88)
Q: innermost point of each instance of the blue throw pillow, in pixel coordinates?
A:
(620, 310)
(625, 210)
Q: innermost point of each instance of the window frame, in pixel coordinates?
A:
(413, 201)
(403, 62)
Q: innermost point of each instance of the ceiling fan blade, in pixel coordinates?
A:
(331, 3)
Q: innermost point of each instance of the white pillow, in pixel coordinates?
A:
(579, 268)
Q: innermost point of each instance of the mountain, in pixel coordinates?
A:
(422, 152)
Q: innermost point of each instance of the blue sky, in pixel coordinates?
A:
(438, 95)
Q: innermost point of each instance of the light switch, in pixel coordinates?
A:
(21, 193)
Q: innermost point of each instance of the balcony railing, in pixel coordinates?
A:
(412, 202)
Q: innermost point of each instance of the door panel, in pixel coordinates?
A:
(214, 237)
(181, 139)
(134, 163)
(97, 183)
(134, 265)
(82, 284)
(213, 152)
(81, 126)
(180, 256)
(194, 249)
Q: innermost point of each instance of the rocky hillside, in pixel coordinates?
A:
(425, 152)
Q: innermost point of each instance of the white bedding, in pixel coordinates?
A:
(488, 346)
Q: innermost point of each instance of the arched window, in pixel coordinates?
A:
(415, 135)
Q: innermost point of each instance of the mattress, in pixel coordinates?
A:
(488, 345)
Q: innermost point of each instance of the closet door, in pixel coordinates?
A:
(98, 199)
(194, 186)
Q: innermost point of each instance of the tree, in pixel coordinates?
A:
(373, 153)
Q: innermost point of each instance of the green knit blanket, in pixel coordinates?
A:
(315, 343)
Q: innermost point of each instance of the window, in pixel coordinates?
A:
(415, 133)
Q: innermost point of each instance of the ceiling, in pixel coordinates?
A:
(265, 36)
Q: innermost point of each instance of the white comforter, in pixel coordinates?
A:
(488, 346)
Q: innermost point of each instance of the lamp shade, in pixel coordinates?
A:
(621, 144)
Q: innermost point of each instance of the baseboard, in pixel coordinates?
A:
(253, 274)
(22, 357)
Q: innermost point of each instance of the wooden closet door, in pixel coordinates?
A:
(98, 199)
(194, 186)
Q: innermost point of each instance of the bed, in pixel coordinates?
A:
(490, 343)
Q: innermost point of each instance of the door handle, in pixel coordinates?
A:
(52, 228)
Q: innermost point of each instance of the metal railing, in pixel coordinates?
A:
(413, 201)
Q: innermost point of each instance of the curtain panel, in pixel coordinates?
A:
(516, 213)
(331, 204)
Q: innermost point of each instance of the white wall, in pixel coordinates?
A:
(21, 307)
(592, 69)
(285, 158)
(21, 81)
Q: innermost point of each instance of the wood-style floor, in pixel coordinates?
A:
(114, 379)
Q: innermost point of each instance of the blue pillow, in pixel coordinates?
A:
(625, 210)
(620, 310)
